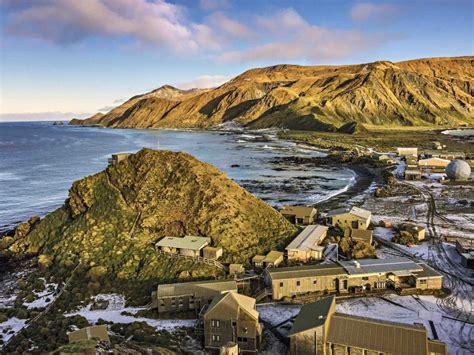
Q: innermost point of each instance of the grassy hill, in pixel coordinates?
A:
(424, 92)
(111, 220)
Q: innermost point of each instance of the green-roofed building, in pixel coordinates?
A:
(188, 245)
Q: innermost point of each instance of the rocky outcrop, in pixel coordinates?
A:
(111, 220)
(423, 92)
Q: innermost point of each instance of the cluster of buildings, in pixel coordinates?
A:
(434, 161)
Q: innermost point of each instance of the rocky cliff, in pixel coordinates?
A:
(423, 92)
(112, 219)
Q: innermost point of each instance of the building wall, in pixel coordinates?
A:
(308, 284)
(189, 252)
(346, 221)
(338, 349)
(226, 332)
(430, 283)
(309, 342)
(296, 254)
(374, 280)
(179, 303)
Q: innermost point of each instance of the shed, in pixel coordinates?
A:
(273, 258)
(236, 269)
(433, 163)
(257, 261)
(407, 151)
(364, 235)
(412, 174)
(299, 214)
(213, 253)
(118, 157)
(188, 245)
(349, 217)
(306, 245)
(415, 230)
(93, 332)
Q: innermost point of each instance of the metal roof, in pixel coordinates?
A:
(187, 242)
(198, 288)
(356, 211)
(309, 238)
(284, 273)
(377, 335)
(312, 315)
(298, 210)
(273, 256)
(427, 271)
(370, 266)
(234, 302)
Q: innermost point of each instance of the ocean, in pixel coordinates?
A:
(39, 161)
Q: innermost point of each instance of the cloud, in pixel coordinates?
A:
(106, 108)
(41, 116)
(365, 11)
(203, 81)
(230, 27)
(290, 37)
(64, 22)
(119, 101)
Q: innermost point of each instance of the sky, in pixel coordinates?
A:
(66, 58)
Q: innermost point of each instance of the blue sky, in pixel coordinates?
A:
(63, 57)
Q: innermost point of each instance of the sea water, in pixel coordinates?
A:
(39, 161)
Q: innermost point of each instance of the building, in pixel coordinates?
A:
(464, 245)
(213, 253)
(236, 269)
(403, 152)
(307, 245)
(419, 232)
(350, 217)
(412, 174)
(319, 329)
(118, 157)
(188, 245)
(98, 332)
(309, 332)
(364, 235)
(299, 214)
(230, 348)
(273, 259)
(467, 259)
(433, 164)
(232, 317)
(186, 296)
(352, 276)
(444, 154)
(257, 261)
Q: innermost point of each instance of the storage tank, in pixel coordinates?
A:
(458, 170)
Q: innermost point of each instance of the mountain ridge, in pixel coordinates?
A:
(418, 92)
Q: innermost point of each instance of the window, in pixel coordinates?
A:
(423, 282)
(315, 282)
(215, 323)
(162, 302)
(298, 283)
(216, 338)
(242, 340)
(234, 323)
(365, 278)
(281, 284)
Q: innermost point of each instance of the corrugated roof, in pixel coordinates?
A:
(309, 238)
(368, 266)
(234, 301)
(187, 242)
(298, 210)
(273, 256)
(199, 288)
(356, 211)
(363, 234)
(312, 315)
(377, 335)
(427, 271)
(284, 273)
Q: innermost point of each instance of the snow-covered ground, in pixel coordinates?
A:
(113, 313)
(44, 298)
(10, 327)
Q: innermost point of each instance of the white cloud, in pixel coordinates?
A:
(203, 81)
(365, 11)
(290, 37)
